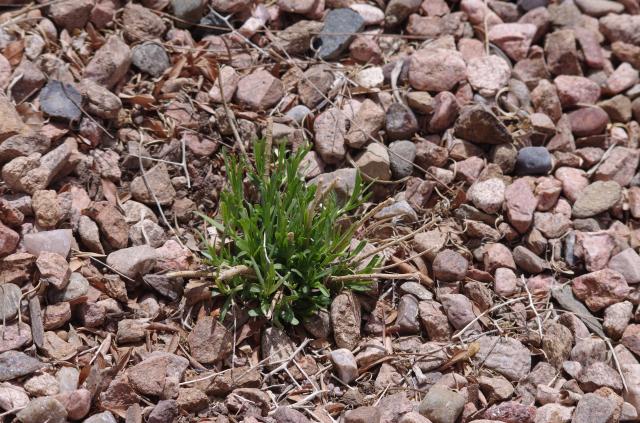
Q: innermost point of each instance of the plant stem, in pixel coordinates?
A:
(368, 276)
(225, 275)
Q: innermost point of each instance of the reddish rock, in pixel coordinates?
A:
(450, 265)
(616, 318)
(56, 315)
(437, 26)
(155, 187)
(77, 403)
(459, 311)
(31, 80)
(469, 169)
(547, 191)
(598, 375)
(590, 45)
(600, 289)
(497, 255)
(8, 240)
(624, 77)
(445, 111)
(506, 282)
(573, 181)
(71, 14)
(588, 121)
(365, 49)
(293, 6)
(631, 338)
(561, 52)
(110, 63)
(236, 6)
(520, 204)
(511, 412)
(545, 100)
(314, 86)
(627, 263)
(594, 248)
(54, 269)
(371, 14)
(141, 24)
(551, 225)
(229, 79)
(576, 89)
(400, 122)
(513, 38)
(434, 320)
(625, 28)
(158, 374)
(619, 166)
(330, 129)
(259, 90)
(436, 69)
(112, 223)
(17, 268)
(479, 13)
(362, 415)
(530, 71)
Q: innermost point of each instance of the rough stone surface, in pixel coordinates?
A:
(209, 341)
(478, 124)
(506, 356)
(151, 58)
(596, 198)
(442, 405)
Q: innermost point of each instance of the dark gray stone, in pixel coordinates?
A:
(168, 287)
(533, 161)
(150, 58)
(480, 125)
(165, 411)
(61, 101)
(188, 11)
(14, 364)
(340, 25)
(407, 320)
(401, 123)
(401, 156)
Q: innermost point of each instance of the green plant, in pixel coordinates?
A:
(285, 234)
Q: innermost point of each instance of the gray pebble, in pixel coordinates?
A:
(61, 101)
(401, 156)
(150, 58)
(339, 27)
